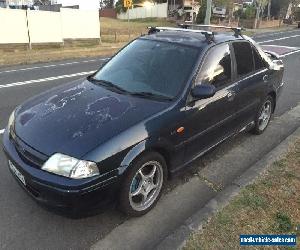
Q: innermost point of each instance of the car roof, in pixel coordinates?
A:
(191, 38)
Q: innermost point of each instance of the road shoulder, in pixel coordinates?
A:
(178, 238)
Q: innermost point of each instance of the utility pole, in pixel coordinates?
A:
(28, 33)
(208, 12)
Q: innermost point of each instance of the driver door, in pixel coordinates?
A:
(211, 120)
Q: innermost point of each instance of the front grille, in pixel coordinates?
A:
(26, 153)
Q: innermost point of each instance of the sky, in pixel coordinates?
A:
(84, 4)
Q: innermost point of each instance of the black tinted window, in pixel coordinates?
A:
(216, 68)
(258, 61)
(244, 58)
(150, 66)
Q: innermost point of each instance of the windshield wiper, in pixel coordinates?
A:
(107, 84)
(119, 89)
(151, 95)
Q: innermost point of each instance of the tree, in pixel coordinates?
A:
(280, 7)
(101, 4)
(202, 11)
(106, 4)
(269, 9)
(208, 12)
(260, 6)
(249, 12)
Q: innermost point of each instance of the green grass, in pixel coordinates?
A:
(269, 206)
(283, 222)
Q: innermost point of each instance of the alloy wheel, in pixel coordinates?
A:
(146, 185)
(265, 115)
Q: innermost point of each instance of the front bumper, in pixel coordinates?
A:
(59, 192)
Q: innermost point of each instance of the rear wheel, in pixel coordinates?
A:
(263, 116)
(143, 184)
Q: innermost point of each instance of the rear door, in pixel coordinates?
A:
(251, 73)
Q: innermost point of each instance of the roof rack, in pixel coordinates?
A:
(237, 30)
(209, 35)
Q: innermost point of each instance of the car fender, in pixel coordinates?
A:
(131, 156)
(150, 144)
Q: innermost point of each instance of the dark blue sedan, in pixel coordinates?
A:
(164, 100)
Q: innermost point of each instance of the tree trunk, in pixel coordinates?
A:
(208, 13)
(257, 17)
(269, 9)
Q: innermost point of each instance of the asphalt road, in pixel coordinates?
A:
(23, 223)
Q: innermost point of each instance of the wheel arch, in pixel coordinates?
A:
(143, 148)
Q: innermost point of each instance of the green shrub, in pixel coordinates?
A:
(249, 12)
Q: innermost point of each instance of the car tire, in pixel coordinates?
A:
(143, 184)
(263, 116)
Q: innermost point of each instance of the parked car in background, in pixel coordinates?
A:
(161, 102)
(219, 12)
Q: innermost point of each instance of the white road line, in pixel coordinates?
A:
(278, 39)
(52, 65)
(274, 34)
(45, 79)
(279, 46)
(2, 131)
(290, 53)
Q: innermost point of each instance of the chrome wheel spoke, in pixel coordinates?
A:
(153, 186)
(142, 175)
(152, 173)
(144, 197)
(137, 191)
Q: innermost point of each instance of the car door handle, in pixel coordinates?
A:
(266, 78)
(231, 95)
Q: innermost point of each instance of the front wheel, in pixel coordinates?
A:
(143, 184)
(263, 116)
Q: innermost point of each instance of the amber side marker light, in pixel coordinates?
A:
(180, 130)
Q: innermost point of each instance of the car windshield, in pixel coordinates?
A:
(149, 68)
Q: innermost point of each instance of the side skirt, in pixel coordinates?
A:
(245, 128)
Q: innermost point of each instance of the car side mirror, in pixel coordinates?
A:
(203, 91)
(277, 65)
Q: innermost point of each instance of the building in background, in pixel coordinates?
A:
(2, 4)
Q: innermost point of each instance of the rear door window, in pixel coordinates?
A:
(244, 58)
(259, 63)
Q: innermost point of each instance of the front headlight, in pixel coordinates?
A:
(11, 120)
(70, 167)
